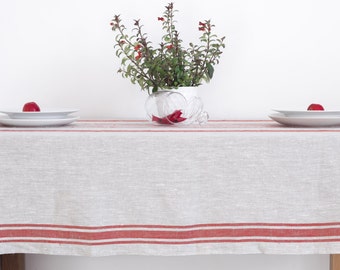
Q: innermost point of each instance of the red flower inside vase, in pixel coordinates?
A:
(175, 117)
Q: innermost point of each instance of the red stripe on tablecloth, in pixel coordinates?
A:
(146, 121)
(298, 233)
(154, 242)
(143, 126)
(175, 130)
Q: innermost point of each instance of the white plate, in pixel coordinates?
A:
(306, 121)
(309, 113)
(6, 121)
(43, 114)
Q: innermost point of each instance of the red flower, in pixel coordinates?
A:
(201, 28)
(169, 47)
(137, 47)
(201, 24)
(175, 117)
(160, 18)
(139, 55)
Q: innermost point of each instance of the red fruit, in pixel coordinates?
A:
(315, 107)
(31, 107)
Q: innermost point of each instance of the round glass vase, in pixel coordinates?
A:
(180, 106)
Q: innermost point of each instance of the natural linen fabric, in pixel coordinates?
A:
(107, 187)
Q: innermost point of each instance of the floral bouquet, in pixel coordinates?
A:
(169, 65)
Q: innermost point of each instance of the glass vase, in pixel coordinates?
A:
(180, 106)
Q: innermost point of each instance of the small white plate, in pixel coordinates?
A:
(309, 113)
(6, 121)
(43, 114)
(306, 121)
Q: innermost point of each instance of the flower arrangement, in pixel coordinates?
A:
(170, 65)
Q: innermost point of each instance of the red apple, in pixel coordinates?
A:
(31, 107)
(315, 107)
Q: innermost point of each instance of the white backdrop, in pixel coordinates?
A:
(279, 54)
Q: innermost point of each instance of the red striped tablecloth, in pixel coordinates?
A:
(107, 187)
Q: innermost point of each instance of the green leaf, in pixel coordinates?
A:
(210, 69)
(124, 60)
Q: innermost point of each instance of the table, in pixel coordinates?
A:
(109, 187)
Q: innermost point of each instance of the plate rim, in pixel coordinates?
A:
(305, 112)
(277, 116)
(37, 122)
(52, 113)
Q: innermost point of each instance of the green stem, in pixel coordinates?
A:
(132, 60)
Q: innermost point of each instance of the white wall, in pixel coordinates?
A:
(280, 54)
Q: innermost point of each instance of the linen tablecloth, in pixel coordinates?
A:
(108, 187)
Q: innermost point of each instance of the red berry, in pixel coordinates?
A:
(315, 107)
(31, 107)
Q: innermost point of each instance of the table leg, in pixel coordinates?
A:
(334, 262)
(12, 262)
